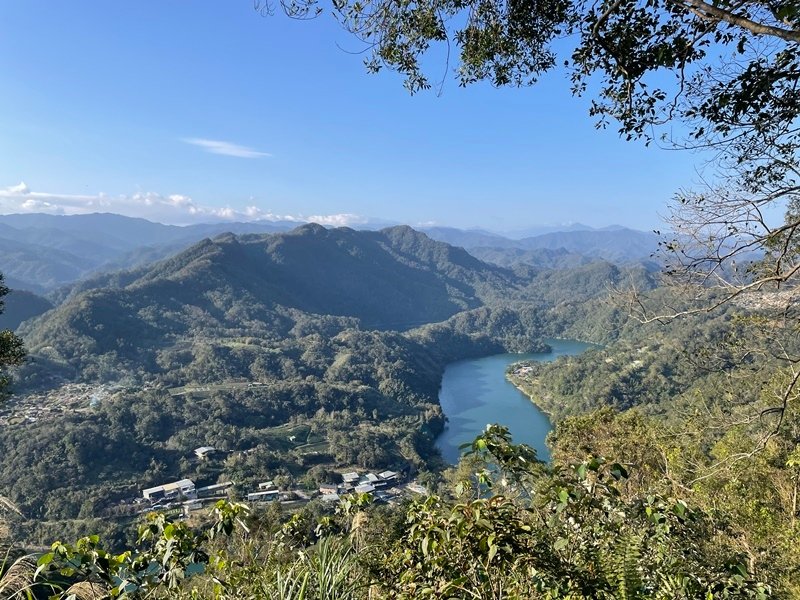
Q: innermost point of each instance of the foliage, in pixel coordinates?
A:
(168, 553)
(577, 537)
(574, 536)
(12, 352)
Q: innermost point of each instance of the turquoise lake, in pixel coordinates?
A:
(476, 392)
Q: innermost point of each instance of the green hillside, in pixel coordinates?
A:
(264, 285)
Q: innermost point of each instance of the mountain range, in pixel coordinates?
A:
(264, 285)
(41, 252)
(286, 286)
(238, 340)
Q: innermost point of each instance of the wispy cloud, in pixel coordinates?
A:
(226, 148)
(175, 209)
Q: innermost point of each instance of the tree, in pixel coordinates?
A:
(727, 71)
(624, 42)
(12, 352)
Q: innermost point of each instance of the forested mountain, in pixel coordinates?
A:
(317, 349)
(544, 258)
(618, 245)
(239, 339)
(39, 268)
(468, 238)
(554, 249)
(258, 285)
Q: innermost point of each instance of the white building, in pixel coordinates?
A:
(204, 452)
(388, 476)
(184, 487)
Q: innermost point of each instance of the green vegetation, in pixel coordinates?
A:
(21, 306)
(510, 528)
(673, 475)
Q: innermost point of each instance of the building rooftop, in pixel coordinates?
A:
(183, 484)
(265, 494)
(216, 486)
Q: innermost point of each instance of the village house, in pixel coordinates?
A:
(214, 490)
(204, 452)
(350, 479)
(388, 476)
(328, 488)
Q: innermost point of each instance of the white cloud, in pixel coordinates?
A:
(226, 148)
(21, 188)
(175, 209)
(340, 220)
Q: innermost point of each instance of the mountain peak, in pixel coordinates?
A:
(310, 229)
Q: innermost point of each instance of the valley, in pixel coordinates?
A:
(343, 333)
(298, 358)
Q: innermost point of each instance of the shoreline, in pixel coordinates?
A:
(527, 393)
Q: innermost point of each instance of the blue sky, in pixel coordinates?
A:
(196, 111)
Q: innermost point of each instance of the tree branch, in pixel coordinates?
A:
(707, 12)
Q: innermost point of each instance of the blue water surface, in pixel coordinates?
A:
(476, 392)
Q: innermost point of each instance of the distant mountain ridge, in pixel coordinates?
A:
(615, 244)
(20, 306)
(41, 252)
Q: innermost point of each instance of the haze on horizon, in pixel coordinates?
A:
(217, 114)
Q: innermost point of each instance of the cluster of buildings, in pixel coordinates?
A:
(386, 486)
(521, 370)
(382, 486)
(267, 491)
(68, 398)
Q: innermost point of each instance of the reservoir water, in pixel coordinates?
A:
(476, 392)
